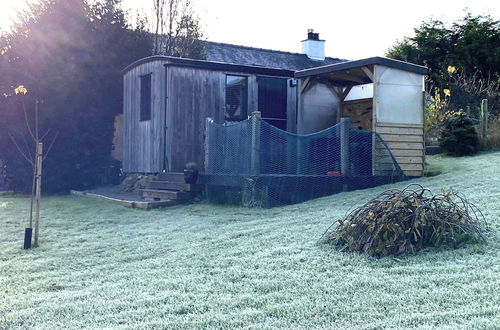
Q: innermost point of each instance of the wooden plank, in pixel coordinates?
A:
(408, 152)
(346, 92)
(255, 155)
(374, 117)
(347, 77)
(400, 130)
(253, 90)
(403, 160)
(291, 105)
(146, 205)
(402, 138)
(409, 160)
(368, 73)
(379, 124)
(344, 146)
(405, 145)
(304, 84)
(404, 167)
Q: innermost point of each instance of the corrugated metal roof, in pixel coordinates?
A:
(243, 55)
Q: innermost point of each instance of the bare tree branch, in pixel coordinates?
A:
(28, 148)
(50, 146)
(20, 150)
(44, 135)
(26, 120)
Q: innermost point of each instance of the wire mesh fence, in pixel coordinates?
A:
(266, 166)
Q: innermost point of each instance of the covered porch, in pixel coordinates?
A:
(376, 94)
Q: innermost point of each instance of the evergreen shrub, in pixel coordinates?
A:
(459, 136)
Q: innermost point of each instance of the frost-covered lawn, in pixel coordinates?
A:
(205, 266)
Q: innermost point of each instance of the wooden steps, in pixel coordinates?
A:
(169, 187)
(165, 194)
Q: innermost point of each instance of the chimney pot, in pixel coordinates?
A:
(313, 47)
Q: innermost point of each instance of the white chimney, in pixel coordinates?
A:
(313, 47)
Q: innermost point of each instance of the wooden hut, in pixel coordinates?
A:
(167, 99)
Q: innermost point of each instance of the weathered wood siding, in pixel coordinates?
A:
(117, 152)
(406, 142)
(359, 113)
(193, 94)
(143, 150)
(182, 98)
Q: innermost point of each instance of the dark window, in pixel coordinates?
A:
(272, 100)
(145, 97)
(236, 98)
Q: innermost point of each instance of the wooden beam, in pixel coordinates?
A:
(347, 77)
(304, 85)
(368, 73)
(337, 91)
(255, 151)
(334, 89)
(344, 147)
(346, 91)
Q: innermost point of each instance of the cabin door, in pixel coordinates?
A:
(272, 100)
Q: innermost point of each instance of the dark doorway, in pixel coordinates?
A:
(272, 100)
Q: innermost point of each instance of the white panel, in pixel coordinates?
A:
(319, 110)
(399, 96)
(360, 92)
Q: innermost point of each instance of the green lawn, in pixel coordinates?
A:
(205, 266)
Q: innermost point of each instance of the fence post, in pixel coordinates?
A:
(484, 120)
(255, 156)
(208, 124)
(344, 147)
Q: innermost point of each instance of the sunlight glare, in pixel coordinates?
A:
(8, 12)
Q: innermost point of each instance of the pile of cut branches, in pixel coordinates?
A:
(408, 220)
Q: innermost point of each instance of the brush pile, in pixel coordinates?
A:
(405, 221)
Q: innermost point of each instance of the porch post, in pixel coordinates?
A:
(208, 124)
(255, 155)
(345, 124)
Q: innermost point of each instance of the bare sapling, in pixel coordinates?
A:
(35, 159)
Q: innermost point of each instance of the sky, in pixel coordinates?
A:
(353, 29)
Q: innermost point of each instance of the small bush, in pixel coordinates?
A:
(459, 137)
(406, 221)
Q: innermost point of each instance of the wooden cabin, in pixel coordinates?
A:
(167, 101)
